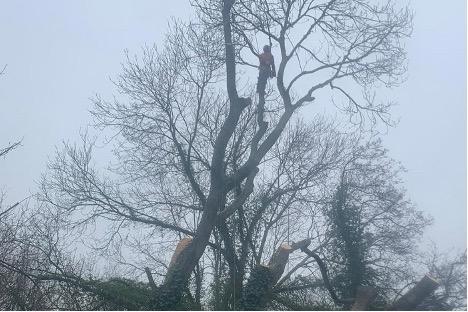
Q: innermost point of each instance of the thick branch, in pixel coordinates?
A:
(326, 280)
(416, 295)
(259, 288)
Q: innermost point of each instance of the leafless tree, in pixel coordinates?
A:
(373, 230)
(199, 155)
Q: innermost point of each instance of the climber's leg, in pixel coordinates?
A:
(262, 81)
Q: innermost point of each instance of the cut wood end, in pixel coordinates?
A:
(286, 247)
(301, 244)
(185, 240)
(183, 243)
(431, 280)
(417, 294)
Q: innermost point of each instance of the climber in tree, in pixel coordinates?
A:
(266, 69)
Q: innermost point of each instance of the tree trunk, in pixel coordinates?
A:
(257, 292)
(183, 243)
(364, 296)
(179, 273)
(416, 295)
(168, 296)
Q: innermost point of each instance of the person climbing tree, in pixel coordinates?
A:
(266, 69)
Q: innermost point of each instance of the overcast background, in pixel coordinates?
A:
(60, 53)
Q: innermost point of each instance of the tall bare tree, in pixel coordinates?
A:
(195, 146)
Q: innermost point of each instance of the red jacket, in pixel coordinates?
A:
(267, 62)
(266, 59)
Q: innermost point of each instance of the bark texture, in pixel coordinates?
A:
(257, 292)
(364, 296)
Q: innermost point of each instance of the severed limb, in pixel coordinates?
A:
(416, 295)
(263, 277)
(183, 243)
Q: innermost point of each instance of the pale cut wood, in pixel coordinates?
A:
(279, 260)
(183, 243)
(417, 294)
(256, 291)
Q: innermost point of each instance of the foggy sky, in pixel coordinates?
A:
(60, 53)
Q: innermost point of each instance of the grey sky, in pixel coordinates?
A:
(60, 53)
